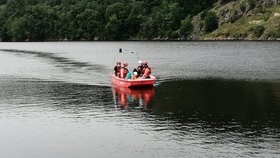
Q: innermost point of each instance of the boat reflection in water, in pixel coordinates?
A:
(125, 97)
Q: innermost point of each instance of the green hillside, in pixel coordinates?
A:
(53, 20)
(45, 20)
(245, 20)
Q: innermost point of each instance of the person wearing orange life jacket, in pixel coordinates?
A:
(124, 71)
(147, 70)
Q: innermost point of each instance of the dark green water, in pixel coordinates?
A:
(220, 101)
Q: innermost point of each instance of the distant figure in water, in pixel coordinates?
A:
(117, 68)
(124, 71)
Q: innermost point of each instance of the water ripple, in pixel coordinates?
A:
(63, 62)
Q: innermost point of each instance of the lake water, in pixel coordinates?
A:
(211, 99)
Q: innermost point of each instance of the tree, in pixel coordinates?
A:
(116, 15)
(53, 2)
(193, 7)
(211, 21)
(138, 12)
(18, 30)
(164, 21)
(3, 2)
(14, 8)
(2, 25)
(170, 15)
(186, 27)
(38, 20)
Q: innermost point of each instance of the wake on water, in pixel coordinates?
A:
(67, 69)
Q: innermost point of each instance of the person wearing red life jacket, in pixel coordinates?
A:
(117, 68)
(124, 71)
(140, 69)
(147, 70)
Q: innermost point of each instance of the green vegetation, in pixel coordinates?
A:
(257, 31)
(48, 20)
(44, 20)
(186, 27)
(210, 21)
(274, 33)
(243, 21)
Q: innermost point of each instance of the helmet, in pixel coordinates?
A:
(125, 64)
(144, 63)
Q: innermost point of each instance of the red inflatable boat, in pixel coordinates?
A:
(133, 83)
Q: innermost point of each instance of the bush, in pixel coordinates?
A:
(186, 27)
(252, 3)
(203, 14)
(257, 31)
(274, 33)
(174, 35)
(211, 22)
(243, 7)
(240, 34)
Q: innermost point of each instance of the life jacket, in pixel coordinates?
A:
(124, 72)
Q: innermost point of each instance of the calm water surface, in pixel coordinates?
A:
(211, 99)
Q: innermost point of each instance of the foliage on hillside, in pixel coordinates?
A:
(247, 19)
(43, 20)
(46, 20)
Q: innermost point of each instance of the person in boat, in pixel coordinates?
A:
(146, 70)
(117, 68)
(140, 69)
(124, 71)
(131, 75)
(134, 76)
